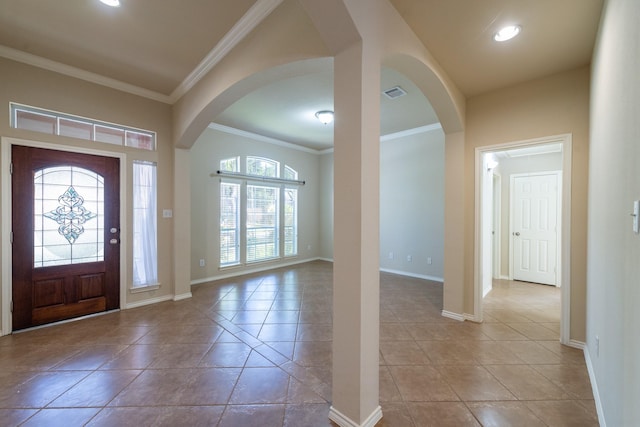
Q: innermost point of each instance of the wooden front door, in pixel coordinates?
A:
(66, 235)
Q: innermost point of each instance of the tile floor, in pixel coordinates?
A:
(256, 351)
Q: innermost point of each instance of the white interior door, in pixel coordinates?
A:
(534, 232)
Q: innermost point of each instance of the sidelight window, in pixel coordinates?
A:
(145, 244)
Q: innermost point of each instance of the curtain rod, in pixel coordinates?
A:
(258, 178)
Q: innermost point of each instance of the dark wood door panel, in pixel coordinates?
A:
(43, 294)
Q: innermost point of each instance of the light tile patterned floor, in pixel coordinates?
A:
(256, 351)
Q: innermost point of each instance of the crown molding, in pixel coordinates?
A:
(409, 132)
(57, 67)
(257, 137)
(260, 138)
(250, 20)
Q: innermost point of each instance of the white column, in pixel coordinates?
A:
(356, 287)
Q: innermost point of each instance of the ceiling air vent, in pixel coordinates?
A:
(394, 92)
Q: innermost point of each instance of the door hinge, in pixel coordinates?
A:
(11, 237)
(12, 306)
(11, 168)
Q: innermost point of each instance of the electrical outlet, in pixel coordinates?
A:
(202, 263)
(429, 260)
(308, 247)
(409, 258)
(390, 255)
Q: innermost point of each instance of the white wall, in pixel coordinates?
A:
(213, 146)
(412, 204)
(326, 205)
(613, 273)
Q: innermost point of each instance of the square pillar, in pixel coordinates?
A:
(356, 276)
(181, 224)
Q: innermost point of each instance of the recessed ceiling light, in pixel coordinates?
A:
(112, 3)
(507, 33)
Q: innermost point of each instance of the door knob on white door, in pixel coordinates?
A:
(517, 233)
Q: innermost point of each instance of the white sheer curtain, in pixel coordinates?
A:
(145, 243)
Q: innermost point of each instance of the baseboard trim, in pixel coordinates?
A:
(344, 421)
(180, 297)
(148, 302)
(594, 387)
(577, 344)
(417, 276)
(471, 317)
(242, 272)
(452, 315)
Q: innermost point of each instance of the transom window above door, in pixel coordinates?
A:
(56, 123)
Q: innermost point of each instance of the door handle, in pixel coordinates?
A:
(517, 233)
(113, 241)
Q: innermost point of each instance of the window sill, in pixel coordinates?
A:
(144, 288)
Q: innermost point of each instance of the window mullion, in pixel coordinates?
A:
(281, 222)
(243, 222)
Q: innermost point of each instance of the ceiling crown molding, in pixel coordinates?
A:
(67, 70)
(409, 132)
(260, 138)
(250, 20)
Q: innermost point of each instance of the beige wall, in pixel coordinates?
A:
(40, 88)
(555, 105)
(613, 277)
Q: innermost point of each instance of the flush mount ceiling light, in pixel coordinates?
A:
(507, 33)
(325, 116)
(112, 3)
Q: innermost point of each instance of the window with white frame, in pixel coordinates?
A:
(258, 217)
(145, 244)
(229, 223)
(56, 123)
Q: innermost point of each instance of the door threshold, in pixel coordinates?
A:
(61, 322)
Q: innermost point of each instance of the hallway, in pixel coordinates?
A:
(256, 351)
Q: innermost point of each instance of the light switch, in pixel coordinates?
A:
(167, 213)
(636, 216)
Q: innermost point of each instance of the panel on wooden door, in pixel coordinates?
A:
(65, 223)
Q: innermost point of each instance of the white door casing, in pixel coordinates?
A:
(534, 227)
(564, 229)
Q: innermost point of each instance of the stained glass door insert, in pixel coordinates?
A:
(68, 216)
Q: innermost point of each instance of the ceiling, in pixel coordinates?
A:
(155, 49)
